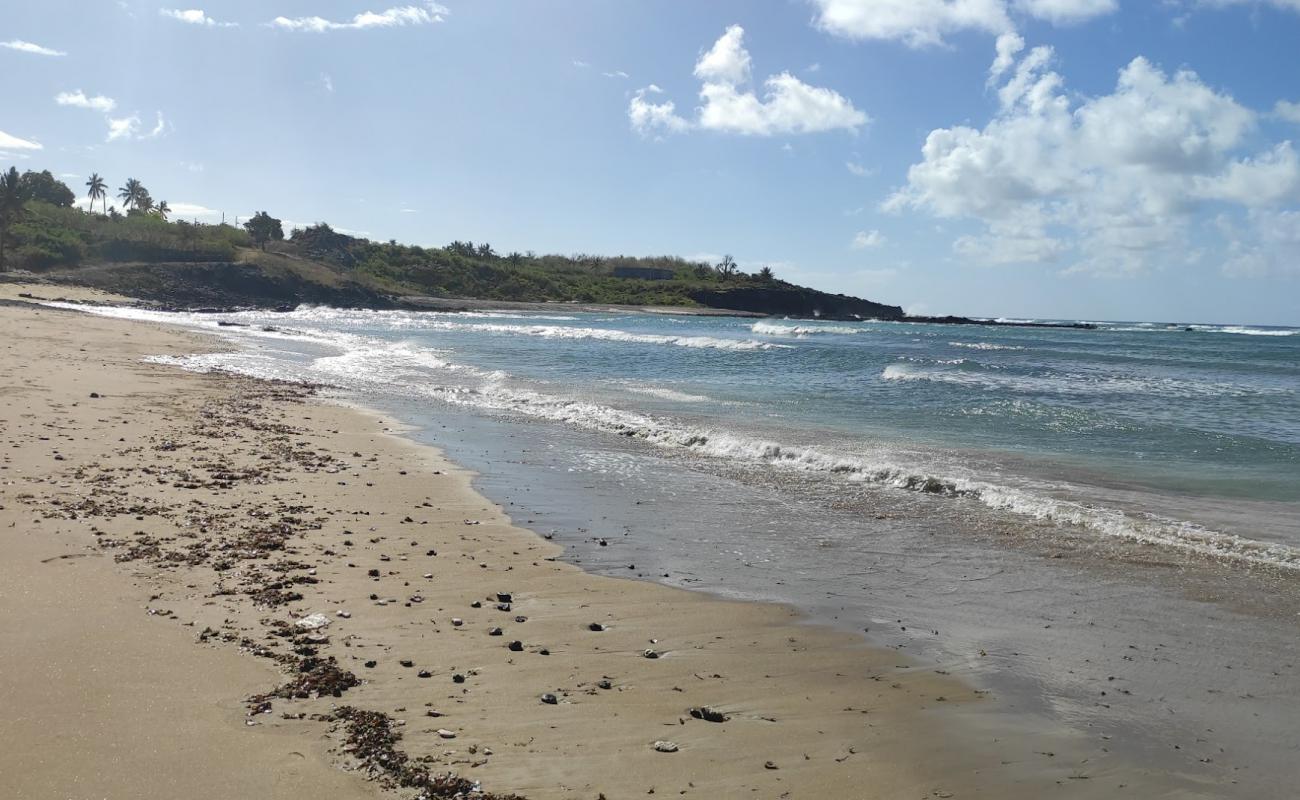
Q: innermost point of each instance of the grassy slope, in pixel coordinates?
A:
(184, 264)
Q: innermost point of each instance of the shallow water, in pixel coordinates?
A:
(1103, 526)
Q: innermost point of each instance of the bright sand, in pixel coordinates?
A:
(107, 691)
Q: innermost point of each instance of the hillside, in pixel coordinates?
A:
(183, 264)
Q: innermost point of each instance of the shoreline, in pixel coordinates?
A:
(830, 713)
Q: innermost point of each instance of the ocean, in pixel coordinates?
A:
(1058, 513)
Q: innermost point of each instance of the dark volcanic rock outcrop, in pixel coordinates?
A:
(793, 301)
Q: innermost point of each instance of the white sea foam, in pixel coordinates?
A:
(1078, 384)
(985, 346)
(765, 328)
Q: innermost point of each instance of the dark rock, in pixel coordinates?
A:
(707, 714)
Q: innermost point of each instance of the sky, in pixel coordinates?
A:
(1076, 159)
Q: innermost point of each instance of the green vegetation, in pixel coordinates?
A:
(46, 232)
(264, 228)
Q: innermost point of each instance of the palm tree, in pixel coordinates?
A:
(13, 196)
(144, 203)
(130, 193)
(98, 190)
(162, 209)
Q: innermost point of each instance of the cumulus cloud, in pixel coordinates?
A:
(730, 105)
(1111, 182)
(398, 16)
(1066, 12)
(1288, 111)
(79, 99)
(648, 117)
(194, 16)
(29, 47)
(1267, 244)
(921, 23)
(865, 239)
(10, 142)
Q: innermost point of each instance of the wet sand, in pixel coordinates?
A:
(166, 533)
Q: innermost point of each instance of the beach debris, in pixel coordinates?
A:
(494, 631)
(549, 699)
(312, 622)
(316, 676)
(371, 664)
(596, 626)
(664, 746)
(515, 646)
(343, 614)
(605, 684)
(458, 678)
(707, 714)
(770, 765)
(457, 621)
(406, 662)
(651, 654)
(371, 739)
(424, 673)
(505, 597)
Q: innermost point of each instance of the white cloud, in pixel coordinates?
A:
(127, 128)
(1269, 244)
(580, 64)
(915, 22)
(618, 73)
(78, 99)
(398, 16)
(1113, 181)
(859, 170)
(1288, 111)
(788, 105)
(727, 61)
(865, 239)
(921, 23)
(193, 211)
(1007, 46)
(647, 117)
(9, 142)
(29, 47)
(160, 127)
(326, 82)
(194, 16)
(1066, 12)
(123, 127)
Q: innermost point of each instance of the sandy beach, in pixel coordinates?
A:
(217, 587)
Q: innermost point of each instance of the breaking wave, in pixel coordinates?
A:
(781, 329)
(985, 346)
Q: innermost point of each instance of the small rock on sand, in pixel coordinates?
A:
(312, 622)
(665, 747)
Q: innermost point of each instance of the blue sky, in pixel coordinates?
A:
(1092, 159)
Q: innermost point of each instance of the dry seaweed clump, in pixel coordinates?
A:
(370, 738)
(318, 677)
